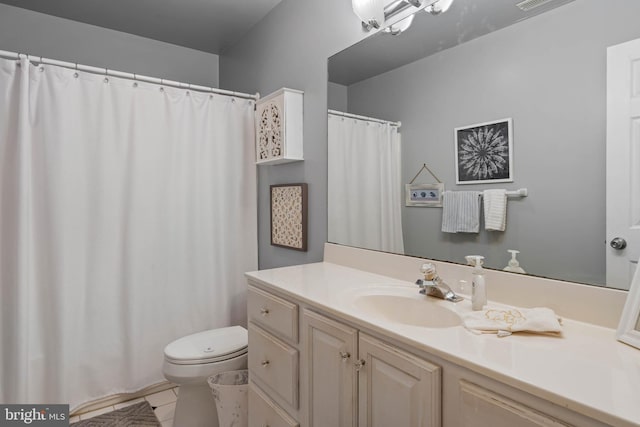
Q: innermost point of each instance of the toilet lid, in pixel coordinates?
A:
(208, 346)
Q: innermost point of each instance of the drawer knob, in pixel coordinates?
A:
(265, 363)
(264, 311)
(344, 355)
(359, 364)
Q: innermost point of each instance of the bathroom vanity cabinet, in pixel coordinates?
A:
(347, 377)
(314, 363)
(352, 377)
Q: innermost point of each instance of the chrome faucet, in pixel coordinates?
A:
(434, 286)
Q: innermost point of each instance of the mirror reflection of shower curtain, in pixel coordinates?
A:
(364, 185)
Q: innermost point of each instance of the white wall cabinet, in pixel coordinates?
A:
(336, 373)
(278, 122)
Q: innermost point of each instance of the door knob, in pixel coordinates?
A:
(618, 243)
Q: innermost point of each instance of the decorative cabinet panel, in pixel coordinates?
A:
(279, 127)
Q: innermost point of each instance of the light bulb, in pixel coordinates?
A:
(370, 12)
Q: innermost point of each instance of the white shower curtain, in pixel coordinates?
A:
(364, 188)
(128, 216)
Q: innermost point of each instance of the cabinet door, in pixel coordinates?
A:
(481, 407)
(329, 376)
(396, 388)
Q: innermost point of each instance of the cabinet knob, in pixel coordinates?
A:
(264, 311)
(359, 364)
(344, 355)
(265, 363)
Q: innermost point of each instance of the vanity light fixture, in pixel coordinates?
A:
(399, 13)
(400, 26)
(439, 7)
(370, 12)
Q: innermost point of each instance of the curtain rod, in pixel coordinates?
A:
(369, 119)
(130, 76)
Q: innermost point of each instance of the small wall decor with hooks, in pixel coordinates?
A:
(424, 195)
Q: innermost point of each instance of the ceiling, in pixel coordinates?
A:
(208, 25)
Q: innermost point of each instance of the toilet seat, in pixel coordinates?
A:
(211, 346)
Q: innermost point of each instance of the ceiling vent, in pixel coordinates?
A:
(527, 5)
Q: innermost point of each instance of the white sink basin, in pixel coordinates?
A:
(404, 305)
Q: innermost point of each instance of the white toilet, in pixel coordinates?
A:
(190, 360)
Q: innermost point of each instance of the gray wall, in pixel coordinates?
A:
(337, 97)
(289, 48)
(548, 73)
(34, 33)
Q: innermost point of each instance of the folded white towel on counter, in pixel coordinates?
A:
(495, 209)
(504, 322)
(461, 211)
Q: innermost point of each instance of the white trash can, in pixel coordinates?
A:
(230, 393)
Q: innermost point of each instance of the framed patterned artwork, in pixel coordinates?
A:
(484, 152)
(289, 216)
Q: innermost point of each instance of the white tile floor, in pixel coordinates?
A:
(163, 401)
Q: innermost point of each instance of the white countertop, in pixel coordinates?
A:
(586, 370)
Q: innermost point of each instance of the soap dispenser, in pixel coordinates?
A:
(514, 265)
(478, 288)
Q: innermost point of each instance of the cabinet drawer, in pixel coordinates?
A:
(273, 313)
(263, 412)
(274, 363)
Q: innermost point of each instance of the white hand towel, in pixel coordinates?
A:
(506, 321)
(461, 211)
(495, 209)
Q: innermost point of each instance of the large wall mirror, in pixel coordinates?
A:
(545, 69)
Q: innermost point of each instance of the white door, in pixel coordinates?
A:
(623, 162)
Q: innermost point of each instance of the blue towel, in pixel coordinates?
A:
(461, 211)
